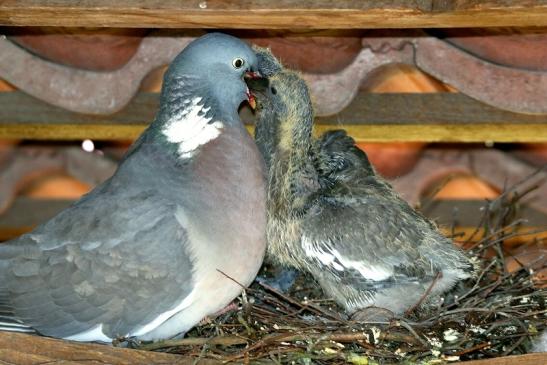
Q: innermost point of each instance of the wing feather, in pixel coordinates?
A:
(116, 257)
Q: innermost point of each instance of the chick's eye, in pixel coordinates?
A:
(273, 90)
(238, 62)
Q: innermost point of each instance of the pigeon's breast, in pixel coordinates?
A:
(231, 189)
(230, 172)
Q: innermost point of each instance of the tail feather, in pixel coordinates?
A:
(16, 329)
(8, 321)
(11, 324)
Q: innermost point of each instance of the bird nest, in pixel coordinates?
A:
(496, 314)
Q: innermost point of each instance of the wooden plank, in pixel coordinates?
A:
(437, 117)
(25, 213)
(527, 359)
(267, 14)
(22, 349)
(425, 108)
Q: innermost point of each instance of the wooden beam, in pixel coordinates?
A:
(22, 349)
(527, 359)
(267, 14)
(425, 108)
(370, 117)
(437, 117)
(25, 213)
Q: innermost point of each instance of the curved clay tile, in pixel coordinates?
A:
(56, 186)
(533, 153)
(321, 53)
(513, 47)
(393, 159)
(21, 165)
(96, 49)
(513, 89)
(4, 86)
(107, 92)
(85, 91)
(498, 169)
(401, 78)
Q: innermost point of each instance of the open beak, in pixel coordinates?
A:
(252, 75)
(251, 99)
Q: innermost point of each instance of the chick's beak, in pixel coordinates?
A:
(251, 99)
(252, 75)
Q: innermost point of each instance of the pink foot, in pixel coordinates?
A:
(208, 319)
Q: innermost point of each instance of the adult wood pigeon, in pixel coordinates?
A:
(171, 236)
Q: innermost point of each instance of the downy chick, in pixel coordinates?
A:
(331, 215)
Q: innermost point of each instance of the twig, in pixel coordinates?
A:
(416, 305)
(196, 341)
(473, 349)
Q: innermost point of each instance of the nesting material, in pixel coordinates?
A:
(499, 314)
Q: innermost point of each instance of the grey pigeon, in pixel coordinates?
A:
(331, 215)
(171, 236)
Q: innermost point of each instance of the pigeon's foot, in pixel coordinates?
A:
(209, 319)
(373, 314)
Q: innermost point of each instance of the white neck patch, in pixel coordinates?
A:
(190, 130)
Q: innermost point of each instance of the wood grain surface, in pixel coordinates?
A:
(266, 14)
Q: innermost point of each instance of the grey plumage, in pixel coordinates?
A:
(331, 215)
(145, 254)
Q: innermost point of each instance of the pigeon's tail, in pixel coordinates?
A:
(8, 322)
(11, 325)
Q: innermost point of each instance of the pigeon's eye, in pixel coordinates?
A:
(238, 62)
(273, 90)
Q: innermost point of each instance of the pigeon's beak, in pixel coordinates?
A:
(251, 75)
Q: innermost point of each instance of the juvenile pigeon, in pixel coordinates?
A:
(331, 215)
(171, 236)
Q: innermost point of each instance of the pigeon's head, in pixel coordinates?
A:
(214, 67)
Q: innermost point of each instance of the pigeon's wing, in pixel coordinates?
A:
(118, 259)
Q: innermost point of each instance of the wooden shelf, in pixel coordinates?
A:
(438, 117)
(266, 14)
(22, 349)
(528, 359)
